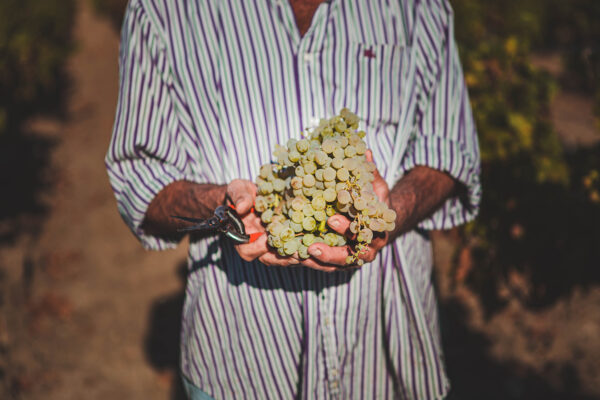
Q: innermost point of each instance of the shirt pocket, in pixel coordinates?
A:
(369, 82)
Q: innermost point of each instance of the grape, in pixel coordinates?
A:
(298, 203)
(354, 140)
(329, 174)
(297, 216)
(265, 187)
(308, 191)
(310, 167)
(260, 204)
(290, 247)
(360, 203)
(266, 216)
(308, 210)
(343, 174)
(276, 241)
(329, 145)
(329, 195)
(320, 215)
(308, 239)
(321, 158)
(388, 215)
(338, 152)
(309, 224)
(266, 171)
(296, 182)
(275, 228)
(278, 185)
(303, 252)
(343, 141)
(293, 155)
(302, 146)
(318, 203)
(350, 151)
(308, 180)
(329, 184)
(354, 226)
(344, 197)
(365, 235)
(316, 177)
(361, 148)
(287, 234)
(319, 174)
(340, 126)
(370, 210)
(376, 225)
(331, 239)
(351, 164)
(296, 227)
(337, 163)
(330, 211)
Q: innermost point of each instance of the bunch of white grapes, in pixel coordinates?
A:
(323, 174)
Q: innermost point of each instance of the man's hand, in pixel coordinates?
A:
(243, 193)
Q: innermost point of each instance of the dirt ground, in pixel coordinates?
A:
(85, 312)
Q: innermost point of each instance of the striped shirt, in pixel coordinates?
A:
(207, 88)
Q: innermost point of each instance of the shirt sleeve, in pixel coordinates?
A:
(445, 137)
(146, 152)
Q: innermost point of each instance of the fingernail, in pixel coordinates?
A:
(315, 252)
(334, 223)
(294, 261)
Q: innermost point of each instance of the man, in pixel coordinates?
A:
(207, 89)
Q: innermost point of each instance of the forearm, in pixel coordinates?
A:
(417, 195)
(185, 199)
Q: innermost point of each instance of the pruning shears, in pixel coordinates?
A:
(225, 220)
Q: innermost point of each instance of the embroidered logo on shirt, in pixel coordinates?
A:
(369, 53)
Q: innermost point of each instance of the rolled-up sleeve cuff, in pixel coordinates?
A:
(136, 183)
(451, 157)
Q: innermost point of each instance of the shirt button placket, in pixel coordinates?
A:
(331, 358)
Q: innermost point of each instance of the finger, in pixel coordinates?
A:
(329, 255)
(369, 157)
(250, 251)
(341, 225)
(275, 260)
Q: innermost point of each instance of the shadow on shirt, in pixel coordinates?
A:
(258, 275)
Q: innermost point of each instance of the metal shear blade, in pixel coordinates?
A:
(225, 220)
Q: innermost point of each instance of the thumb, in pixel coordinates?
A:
(241, 195)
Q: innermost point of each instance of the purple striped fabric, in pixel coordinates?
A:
(207, 89)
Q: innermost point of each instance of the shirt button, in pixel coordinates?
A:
(334, 384)
(309, 57)
(334, 372)
(327, 321)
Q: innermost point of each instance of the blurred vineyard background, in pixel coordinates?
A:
(519, 288)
